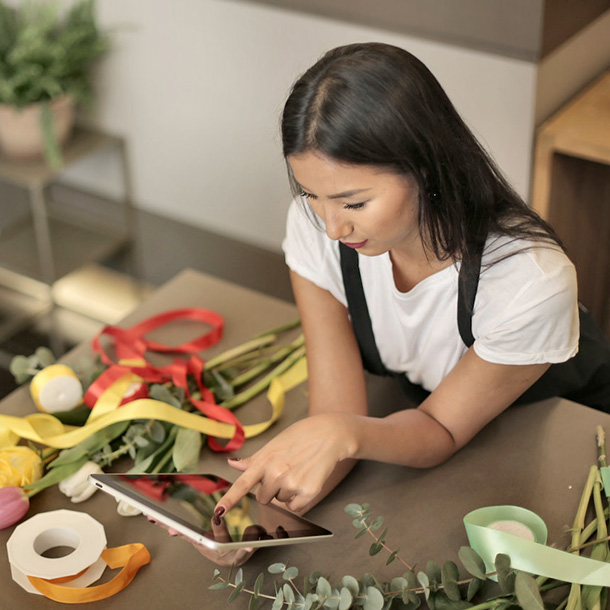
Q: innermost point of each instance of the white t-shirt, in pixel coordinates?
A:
(525, 312)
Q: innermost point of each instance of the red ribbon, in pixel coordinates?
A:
(132, 344)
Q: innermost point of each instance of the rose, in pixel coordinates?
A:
(19, 466)
(77, 486)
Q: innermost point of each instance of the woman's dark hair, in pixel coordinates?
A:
(376, 104)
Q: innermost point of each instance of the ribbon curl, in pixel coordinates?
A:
(107, 393)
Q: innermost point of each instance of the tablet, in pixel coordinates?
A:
(185, 503)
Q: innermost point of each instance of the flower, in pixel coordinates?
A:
(76, 486)
(19, 466)
(126, 510)
(14, 505)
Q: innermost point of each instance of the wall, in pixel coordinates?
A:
(196, 86)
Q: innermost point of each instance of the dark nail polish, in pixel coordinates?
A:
(216, 521)
(219, 512)
(234, 459)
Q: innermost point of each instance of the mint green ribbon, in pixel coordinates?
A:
(529, 556)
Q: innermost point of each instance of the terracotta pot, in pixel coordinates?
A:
(21, 130)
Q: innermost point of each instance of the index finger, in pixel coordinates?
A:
(244, 483)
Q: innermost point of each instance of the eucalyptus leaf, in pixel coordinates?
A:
(442, 602)
(187, 448)
(449, 577)
(254, 603)
(472, 561)
(157, 431)
(276, 568)
(374, 599)
(374, 548)
(433, 572)
(392, 557)
(290, 573)
(19, 366)
(528, 594)
(258, 584)
(323, 588)
(377, 523)
(218, 586)
(235, 594)
(399, 583)
(506, 577)
(424, 581)
(279, 600)
(345, 599)
(239, 577)
(350, 583)
(288, 594)
(45, 356)
(163, 394)
(473, 588)
(353, 510)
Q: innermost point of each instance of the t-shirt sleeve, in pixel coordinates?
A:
(310, 253)
(532, 322)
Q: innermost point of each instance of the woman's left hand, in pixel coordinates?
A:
(294, 466)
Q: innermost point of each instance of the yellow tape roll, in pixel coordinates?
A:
(56, 388)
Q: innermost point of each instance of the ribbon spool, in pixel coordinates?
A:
(67, 579)
(56, 388)
(491, 530)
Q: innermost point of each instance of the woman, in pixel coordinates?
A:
(458, 289)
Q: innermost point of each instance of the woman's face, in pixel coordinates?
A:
(369, 209)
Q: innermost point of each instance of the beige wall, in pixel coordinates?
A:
(196, 86)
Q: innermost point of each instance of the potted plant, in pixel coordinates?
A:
(45, 62)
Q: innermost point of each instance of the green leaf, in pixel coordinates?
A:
(187, 448)
(19, 366)
(235, 594)
(45, 356)
(288, 594)
(374, 548)
(449, 577)
(291, 573)
(239, 577)
(506, 577)
(527, 592)
(392, 557)
(276, 568)
(442, 602)
(399, 584)
(56, 475)
(279, 600)
(473, 587)
(163, 394)
(258, 584)
(90, 445)
(218, 586)
(433, 572)
(374, 599)
(323, 588)
(360, 533)
(472, 561)
(345, 599)
(424, 581)
(254, 603)
(353, 510)
(157, 431)
(216, 575)
(377, 523)
(349, 582)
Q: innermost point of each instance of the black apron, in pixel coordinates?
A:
(585, 378)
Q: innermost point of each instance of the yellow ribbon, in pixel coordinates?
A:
(48, 430)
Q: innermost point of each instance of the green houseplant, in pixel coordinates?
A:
(46, 56)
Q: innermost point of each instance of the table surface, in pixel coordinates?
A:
(536, 456)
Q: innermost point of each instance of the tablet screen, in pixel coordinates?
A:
(189, 500)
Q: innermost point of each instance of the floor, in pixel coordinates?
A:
(94, 293)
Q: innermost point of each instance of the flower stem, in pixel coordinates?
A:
(244, 348)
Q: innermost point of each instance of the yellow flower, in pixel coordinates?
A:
(19, 466)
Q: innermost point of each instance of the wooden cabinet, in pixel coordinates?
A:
(571, 189)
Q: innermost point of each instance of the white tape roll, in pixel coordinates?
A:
(58, 528)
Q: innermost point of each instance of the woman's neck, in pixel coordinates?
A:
(414, 264)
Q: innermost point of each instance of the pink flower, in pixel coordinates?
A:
(14, 505)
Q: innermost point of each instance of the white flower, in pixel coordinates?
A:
(76, 486)
(127, 510)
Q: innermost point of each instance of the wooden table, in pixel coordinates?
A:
(536, 456)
